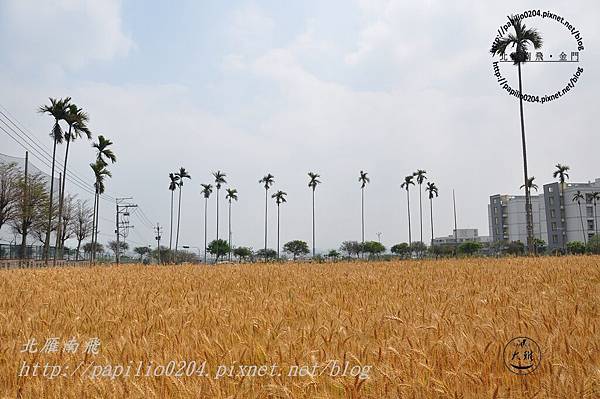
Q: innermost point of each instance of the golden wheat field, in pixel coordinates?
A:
(411, 329)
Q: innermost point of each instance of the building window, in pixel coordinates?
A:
(590, 225)
(555, 239)
(590, 212)
(552, 213)
(551, 200)
(550, 189)
(553, 226)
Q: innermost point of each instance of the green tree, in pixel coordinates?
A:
(267, 181)
(141, 251)
(8, 191)
(57, 110)
(122, 247)
(100, 173)
(206, 191)
(77, 120)
(515, 248)
(104, 153)
(173, 184)
(576, 247)
(540, 245)
(313, 183)
(469, 248)
(279, 197)
(218, 248)
(363, 180)
(578, 197)
(420, 175)
(433, 192)
(232, 195)
(561, 172)
(373, 248)
(242, 253)
(296, 248)
(88, 248)
(418, 248)
(266, 254)
(182, 174)
(351, 247)
(219, 181)
(521, 40)
(402, 249)
(333, 254)
(593, 245)
(408, 180)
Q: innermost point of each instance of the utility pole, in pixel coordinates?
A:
(59, 224)
(26, 213)
(122, 222)
(455, 224)
(157, 238)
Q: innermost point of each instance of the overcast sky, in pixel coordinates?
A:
(334, 87)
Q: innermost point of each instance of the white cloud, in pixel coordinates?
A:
(62, 34)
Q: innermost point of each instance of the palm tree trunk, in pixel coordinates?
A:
(528, 215)
(431, 209)
(49, 228)
(421, 210)
(408, 207)
(313, 221)
(59, 243)
(171, 231)
(95, 233)
(362, 214)
(582, 228)
(93, 226)
(563, 217)
(205, 224)
(266, 199)
(178, 219)
(229, 222)
(595, 218)
(217, 213)
(277, 231)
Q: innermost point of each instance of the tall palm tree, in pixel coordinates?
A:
(595, 198)
(521, 40)
(530, 184)
(279, 199)
(313, 183)
(433, 192)
(408, 180)
(103, 154)
(420, 175)
(100, 173)
(578, 197)
(173, 184)
(231, 195)
(267, 181)
(77, 120)
(58, 110)
(561, 172)
(219, 180)
(206, 191)
(363, 179)
(182, 174)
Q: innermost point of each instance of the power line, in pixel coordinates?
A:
(43, 155)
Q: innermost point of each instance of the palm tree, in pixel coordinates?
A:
(268, 181)
(530, 184)
(103, 154)
(420, 175)
(206, 191)
(58, 110)
(279, 199)
(100, 172)
(595, 198)
(577, 197)
(363, 179)
(231, 195)
(562, 173)
(182, 174)
(174, 183)
(433, 192)
(313, 183)
(77, 120)
(408, 180)
(521, 40)
(219, 180)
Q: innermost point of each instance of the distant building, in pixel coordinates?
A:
(461, 235)
(556, 219)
